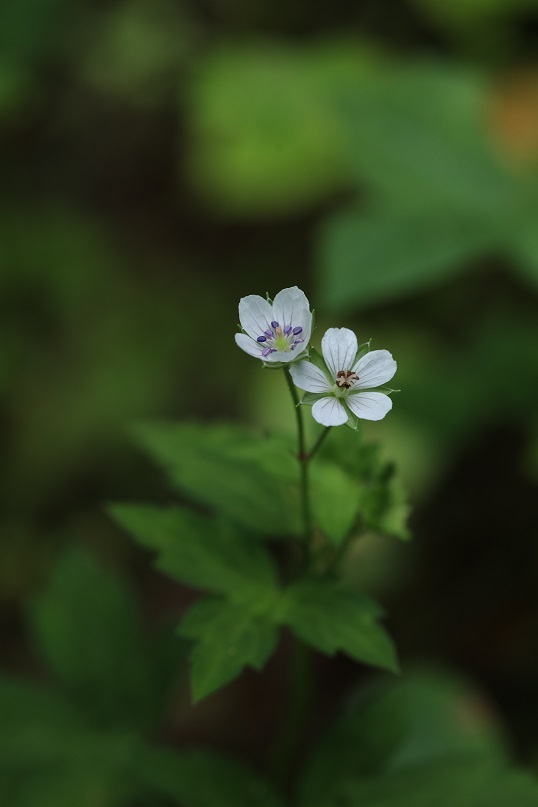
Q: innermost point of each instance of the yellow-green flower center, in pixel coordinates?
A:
(281, 343)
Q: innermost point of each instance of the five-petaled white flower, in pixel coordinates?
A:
(346, 386)
(277, 331)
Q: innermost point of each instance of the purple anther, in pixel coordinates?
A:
(287, 329)
(261, 339)
(293, 347)
(266, 352)
(274, 324)
(268, 332)
(273, 350)
(297, 330)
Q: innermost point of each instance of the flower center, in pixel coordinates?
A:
(345, 379)
(280, 339)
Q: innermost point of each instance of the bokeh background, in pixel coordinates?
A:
(160, 159)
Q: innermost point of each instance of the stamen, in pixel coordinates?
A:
(274, 324)
(287, 329)
(345, 379)
(268, 333)
(266, 352)
(297, 330)
(262, 339)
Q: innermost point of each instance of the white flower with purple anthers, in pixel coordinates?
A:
(277, 331)
(339, 386)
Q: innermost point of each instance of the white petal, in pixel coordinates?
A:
(304, 320)
(310, 378)
(375, 368)
(249, 345)
(286, 355)
(291, 307)
(339, 347)
(369, 405)
(255, 315)
(329, 412)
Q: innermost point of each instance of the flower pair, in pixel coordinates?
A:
(340, 383)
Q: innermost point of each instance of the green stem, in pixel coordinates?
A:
(340, 554)
(302, 458)
(319, 441)
(299, 706)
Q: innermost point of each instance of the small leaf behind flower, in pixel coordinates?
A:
(317, 359)
(382, 503)
(335, 501)
(310, 398)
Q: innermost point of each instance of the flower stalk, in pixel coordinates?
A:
(303, 458)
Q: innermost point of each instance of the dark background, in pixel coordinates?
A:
(161, 159)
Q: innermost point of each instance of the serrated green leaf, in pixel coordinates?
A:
(251, 480)
(384, 507)
(335, 500)
(201, 778)
(333, 619)
(229, 637)
(382, 503)
(199, 551)
(87, 625)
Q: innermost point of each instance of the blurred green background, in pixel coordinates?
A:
(160, 159)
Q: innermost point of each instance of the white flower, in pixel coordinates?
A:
(342, 390)
(277, 332)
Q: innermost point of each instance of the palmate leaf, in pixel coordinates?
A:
(230, 637)
(51, 757)
(417, 742)
(443, 784)
(230, 632)
(382, 254)
(333, 619)
(198, 550)
(423, 718)
(442, 197)
(249, 479)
